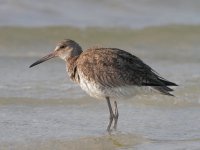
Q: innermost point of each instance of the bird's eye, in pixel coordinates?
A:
(62, 46)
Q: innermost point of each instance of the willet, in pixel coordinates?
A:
(108, 73)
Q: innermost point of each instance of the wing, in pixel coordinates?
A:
(113, 67)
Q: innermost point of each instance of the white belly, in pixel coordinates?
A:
(100, 92)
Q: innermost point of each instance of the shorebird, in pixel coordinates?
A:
(108, 73)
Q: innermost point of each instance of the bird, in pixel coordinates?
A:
(108, 74)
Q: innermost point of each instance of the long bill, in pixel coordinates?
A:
(43, 59)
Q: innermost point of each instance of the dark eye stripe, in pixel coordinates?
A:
(62, 46)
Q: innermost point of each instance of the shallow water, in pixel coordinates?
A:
(41, 108)
(83, 126)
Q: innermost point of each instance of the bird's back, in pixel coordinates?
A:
(113, 68)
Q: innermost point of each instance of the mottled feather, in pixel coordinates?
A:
(111, 67)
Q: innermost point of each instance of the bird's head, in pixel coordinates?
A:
(64, 49)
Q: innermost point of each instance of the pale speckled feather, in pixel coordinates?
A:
(71, 68)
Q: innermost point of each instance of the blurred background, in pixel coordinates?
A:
(40, 107)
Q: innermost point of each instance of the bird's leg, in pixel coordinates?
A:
(116, 115)
(111, 114)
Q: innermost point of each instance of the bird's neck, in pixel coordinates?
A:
(71, 67)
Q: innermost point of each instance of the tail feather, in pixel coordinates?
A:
(161, 85)
(168, 83)
(164, 90)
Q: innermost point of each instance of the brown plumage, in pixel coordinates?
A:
(114, 67)
(108, 73)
